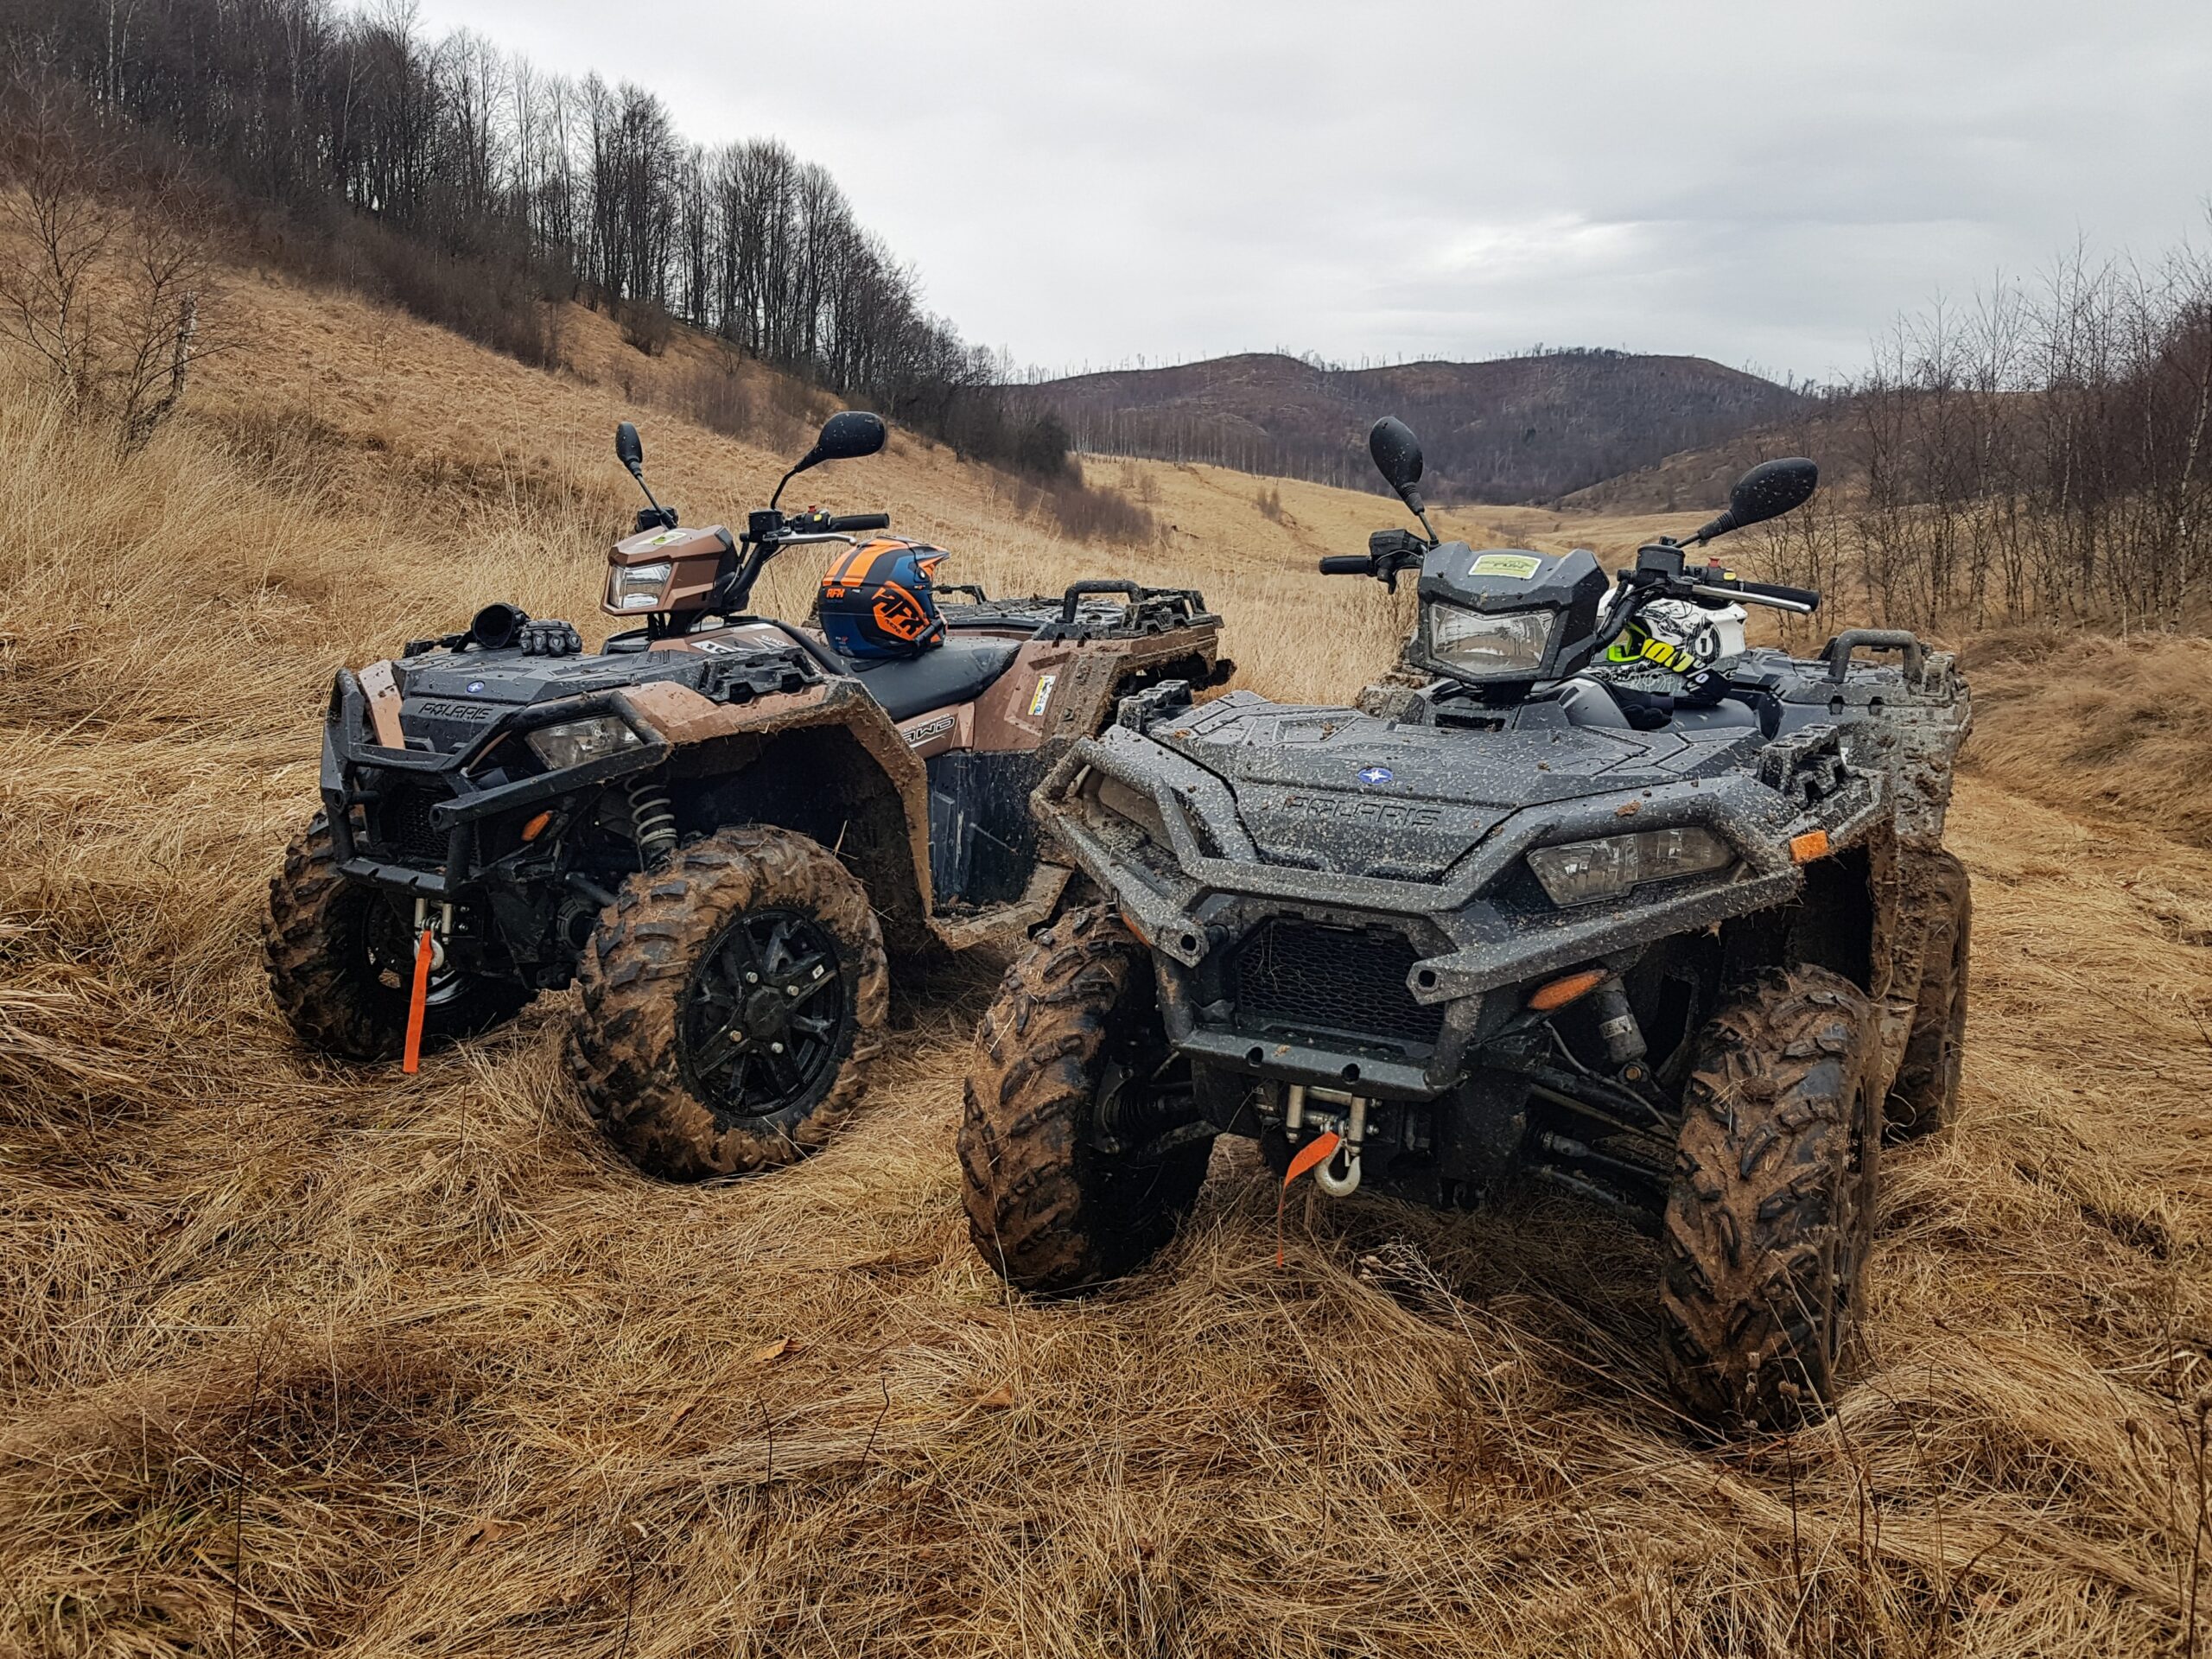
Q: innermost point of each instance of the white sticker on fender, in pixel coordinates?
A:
(918, 735)
(1042, 694)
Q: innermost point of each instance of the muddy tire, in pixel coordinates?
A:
(1924, 1096)
(1771, 1214)
(732, 1001)
(341, 964)
(1074, 1020)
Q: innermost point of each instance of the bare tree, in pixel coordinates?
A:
(60, 234)
(103, 280)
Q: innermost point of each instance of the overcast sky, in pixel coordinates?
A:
(1765, 183)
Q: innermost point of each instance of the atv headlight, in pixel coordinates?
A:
(637, 587)
(1583, 871)
(575, 741)
(1507, 645)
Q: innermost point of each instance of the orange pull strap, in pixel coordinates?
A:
(1316, 1151)
(417, 1001)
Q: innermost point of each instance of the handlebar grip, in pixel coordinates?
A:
(1347, 564)
(855, 521)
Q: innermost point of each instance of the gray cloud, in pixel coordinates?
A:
(1751, 181)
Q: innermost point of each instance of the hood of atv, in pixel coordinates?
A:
(1335, 790)
(449, 698)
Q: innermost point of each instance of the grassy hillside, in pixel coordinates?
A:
(300, 1358)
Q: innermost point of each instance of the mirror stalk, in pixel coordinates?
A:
(813, 458)
(1411, 497)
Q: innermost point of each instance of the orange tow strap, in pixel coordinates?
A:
(1322, 1148)
(416, 1002)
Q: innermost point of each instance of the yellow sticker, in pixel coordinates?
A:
(1043, 695)
(1519, 566)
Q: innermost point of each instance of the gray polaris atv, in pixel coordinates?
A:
(1686, 955)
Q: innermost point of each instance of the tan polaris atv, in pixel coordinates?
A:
(716, 825)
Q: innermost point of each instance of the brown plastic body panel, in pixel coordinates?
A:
(1062, 689)
(695, 557)
(1053, 692)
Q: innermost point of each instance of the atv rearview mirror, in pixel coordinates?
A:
(631, 454)
(1397, 457)
(1768, 491)
(1396, 452)
(849, 434)
(846, 435)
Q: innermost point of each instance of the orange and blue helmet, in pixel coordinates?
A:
(876, 600)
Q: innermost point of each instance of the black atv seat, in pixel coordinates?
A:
(957, 671)
(1593, 702)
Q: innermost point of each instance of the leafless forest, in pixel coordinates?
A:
(2043, 452)
(471, 187)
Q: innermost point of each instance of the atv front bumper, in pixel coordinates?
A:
(410, 821)
(1459, 954)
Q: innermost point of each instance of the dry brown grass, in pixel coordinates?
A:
(301, 1358)
(2123, 724)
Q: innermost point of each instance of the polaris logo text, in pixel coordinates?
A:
(456, 711)
(1360, 810)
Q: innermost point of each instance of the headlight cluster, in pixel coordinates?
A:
(637, 587)
(1583, 871)
(1510, 645)
(575, 741)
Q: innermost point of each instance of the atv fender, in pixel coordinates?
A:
(1058, 691)
(889, 851)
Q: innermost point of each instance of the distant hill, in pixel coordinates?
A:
(1829, 429)
(1519, 429)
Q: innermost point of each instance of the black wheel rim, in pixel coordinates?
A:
(764, 1015)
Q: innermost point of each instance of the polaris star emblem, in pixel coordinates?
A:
(478, 685)
(1376, 775)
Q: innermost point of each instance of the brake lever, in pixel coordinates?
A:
(1744, 596)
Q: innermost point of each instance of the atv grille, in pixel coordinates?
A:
(405, 822)
(1297, 973)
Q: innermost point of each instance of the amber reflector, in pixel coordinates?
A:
(535, 827)
(1561, 992)
(1813, 844)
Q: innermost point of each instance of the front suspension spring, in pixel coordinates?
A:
(652, 822)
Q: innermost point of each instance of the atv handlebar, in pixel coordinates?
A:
(858, 521)
(1388, 553)
(1660, 572)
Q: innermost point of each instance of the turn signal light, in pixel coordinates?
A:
(1561, 992)
(535, 827)
(1813, 844)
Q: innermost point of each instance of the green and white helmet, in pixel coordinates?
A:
(1670, 639)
